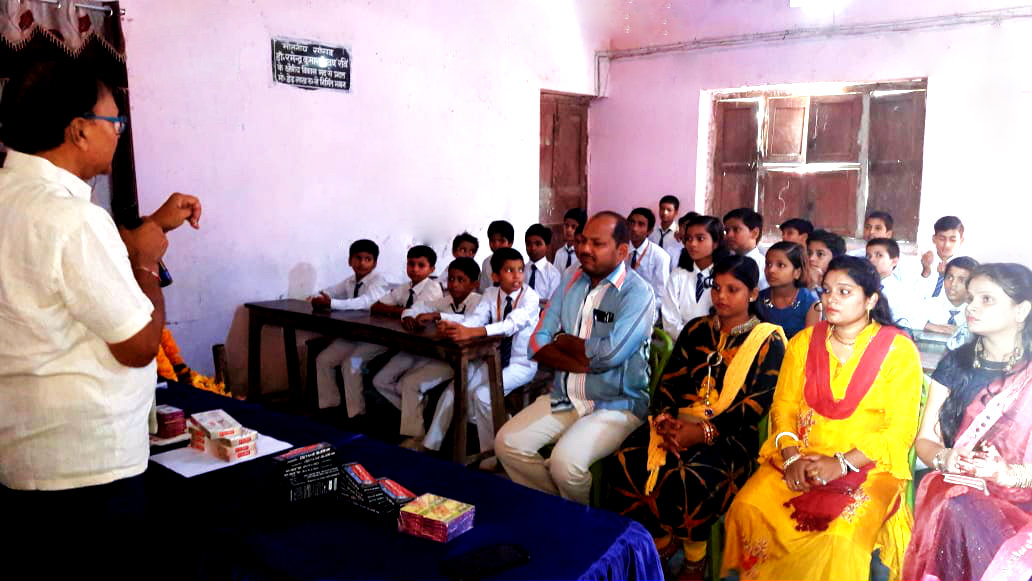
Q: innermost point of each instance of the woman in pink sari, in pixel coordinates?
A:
(974, 512)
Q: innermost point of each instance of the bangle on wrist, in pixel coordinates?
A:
(939, 460)
(845, 464)
(709, 433)
(791, 461)
(777, 439)
(148, 271)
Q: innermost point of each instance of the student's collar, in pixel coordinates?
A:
(540, 263)
(419, 285)
(644, 243)
(36, 165)
(514, 294)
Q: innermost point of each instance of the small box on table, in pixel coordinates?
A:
(436, 518)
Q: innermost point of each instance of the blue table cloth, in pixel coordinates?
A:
(251, 533)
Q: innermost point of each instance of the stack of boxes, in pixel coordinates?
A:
(308, 472)
(218, 434)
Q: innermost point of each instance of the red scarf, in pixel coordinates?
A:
(818, 372)
(814, 510)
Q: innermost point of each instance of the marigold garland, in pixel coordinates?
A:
(171, 366)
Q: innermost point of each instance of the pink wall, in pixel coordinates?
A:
(644, 135)
(439, 135)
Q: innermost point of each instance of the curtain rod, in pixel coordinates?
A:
(105, 9)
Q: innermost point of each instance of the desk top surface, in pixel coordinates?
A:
(248, 535)
(365, 319)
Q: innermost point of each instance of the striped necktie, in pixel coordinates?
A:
(953, 317)
(938, 286)
(700, 287)
(569, 257)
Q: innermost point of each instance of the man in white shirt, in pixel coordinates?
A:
(82, 313)
(648, 259)
(665, 234)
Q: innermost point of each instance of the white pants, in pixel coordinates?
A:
(404, 382)
(579, 443)
(351, 357)
(478, 391)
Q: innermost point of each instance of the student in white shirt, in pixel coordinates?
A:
(566, 256)
(464, 245)
(406, 378)
(948, 238)
(510, 309)
(540, 274)
(359, 291)
(500, 234)
(81, 319)
(647, 258)
(352, 356)
(665, 234)
(878, 224)
(947, 313)
(743, 228)
(688, 291)
(883, 253)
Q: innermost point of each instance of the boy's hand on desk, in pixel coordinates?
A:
(455, 331)
(409, 324)
(426, 318)
(321, 300)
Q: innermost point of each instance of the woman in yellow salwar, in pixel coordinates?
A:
(830, 487)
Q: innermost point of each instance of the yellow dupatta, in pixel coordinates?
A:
(734, 380)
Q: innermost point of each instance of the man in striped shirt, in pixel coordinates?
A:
(595, 333)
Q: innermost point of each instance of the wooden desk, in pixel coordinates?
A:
(291, 314)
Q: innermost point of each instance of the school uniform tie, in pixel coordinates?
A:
(938, 286)
(411, 298)
(700, 286)
(455, 309)
(358, 285)
(569, 257)
(662, 235)
(953, 317)
(634, 259)
(506, 345)
(533, 276)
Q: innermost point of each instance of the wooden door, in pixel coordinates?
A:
(735, 155)
(896, 150)
(563, 182)
(834, 134)
(786, 129)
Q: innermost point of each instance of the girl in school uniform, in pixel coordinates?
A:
(787, 302)
(687, 292)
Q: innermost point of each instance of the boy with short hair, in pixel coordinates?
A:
(647, 258)
(406, 378)
(543, 277)
(796, 230)
(946, 313)
(352, 356)
(566, 256)
(948, 238)
(357, 292)
(510, 309)
(500, 234)
(665, 235)
(878, 224)
(465, 245)
(743, 227)
(883, 253)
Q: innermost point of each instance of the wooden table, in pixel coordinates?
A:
(292, 314)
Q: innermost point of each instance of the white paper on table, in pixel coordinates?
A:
(190, 462)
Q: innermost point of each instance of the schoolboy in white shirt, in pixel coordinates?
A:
(500, 234)
(360, 290)
(878, 224)
(566, 256)
(665, 234)
(883, 253)
(647, 258)
(510, 309)
(947, 313)
(464, 245)
(948, 238)
(352, 356)
(743, 228)
(540, 274)
(406, 378)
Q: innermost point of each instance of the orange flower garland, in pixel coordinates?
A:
(171, 366)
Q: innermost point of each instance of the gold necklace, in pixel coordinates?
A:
(834, 335)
